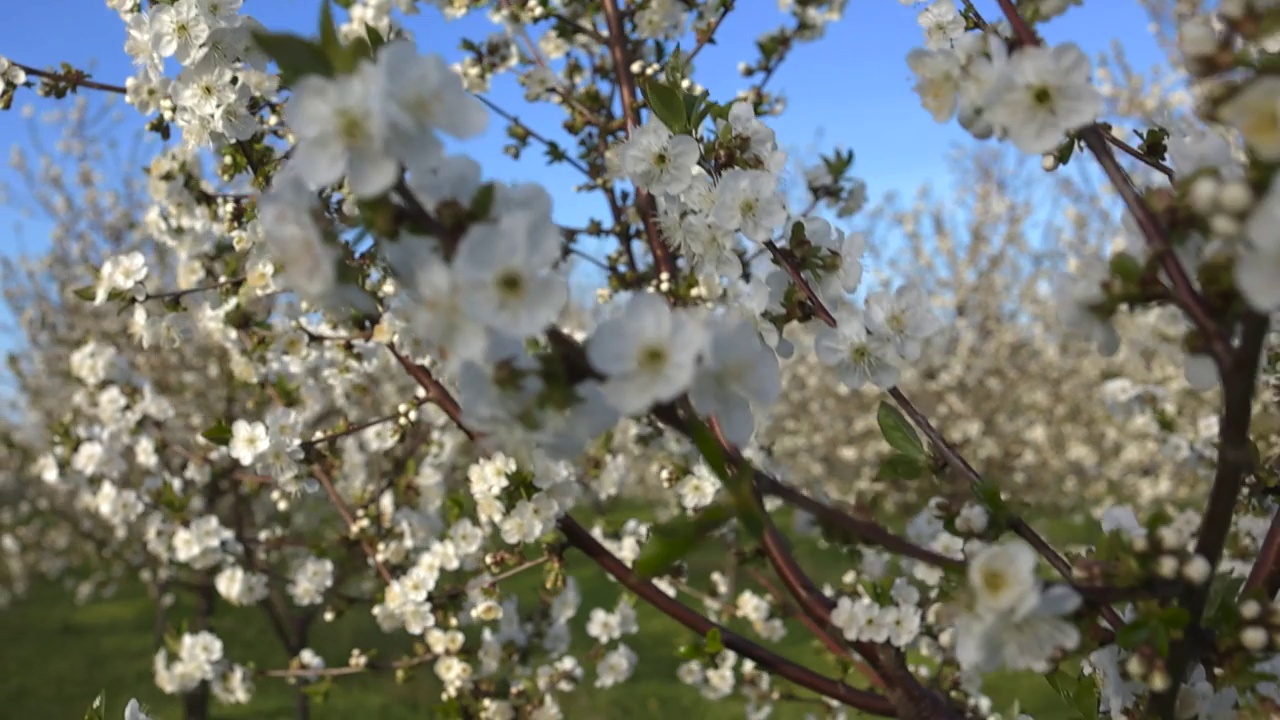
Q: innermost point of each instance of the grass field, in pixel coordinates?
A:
(55, 658)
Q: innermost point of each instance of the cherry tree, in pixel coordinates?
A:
(312, 249)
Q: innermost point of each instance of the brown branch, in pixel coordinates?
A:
(1235, 461)
(326, 481)
(353, 429)
(438, 393)
(784, 259)
(509, 117)
(76, 79)
(1265, 575)
(863, 528)
(868, 702)
(909, 698)
(1184, 292)
(705, 36)
(836, 647)
(626, 83)
(1133, 152)
(1016, 524)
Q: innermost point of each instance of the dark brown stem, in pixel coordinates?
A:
(1184, 292)
(1019, 526)
(868, 702)
(784, 259)
(438, 393)
(1265, 575)
(863, 528)
(1235, 462)
(626, 83)
(326, 482)
(71, 80)
(1133, 152)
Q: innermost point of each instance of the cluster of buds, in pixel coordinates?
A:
(1147, 666)
(1260, 626)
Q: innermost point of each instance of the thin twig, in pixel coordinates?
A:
(73, 80)
(1016, 524)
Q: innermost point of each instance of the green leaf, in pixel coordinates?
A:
(482, 202)
(898, 432)
(1134, 634)
(667, 104)
(341, 57)
(690, 652)
(375, 38)
(219, 434)
(715, 644)
(900, 467)
(1222, 595)
(87, 293)
(738, 482)
(674, 539)
(296, 56)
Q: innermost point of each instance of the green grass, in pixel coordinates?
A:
(55, 657)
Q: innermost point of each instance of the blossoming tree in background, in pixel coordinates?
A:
(340, 259)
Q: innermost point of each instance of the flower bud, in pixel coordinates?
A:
(1235, 197)
(1203, 194)
(1233, 9)
(1224, 226)
(1254, 638)
(1250, 610)
(1167, 567)
(1159, 680)
(1197, 38)
(1049, 162)
(1196, 570)
(1136, 666)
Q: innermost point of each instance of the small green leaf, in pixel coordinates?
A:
(482, 202)
(219, 434)
(87, 293)
(715, 644)
(690, 652)
(898, 432)
(1134, 634)
(667, 104)
(739, 481)
(674, 539)
(296, 56)
(900, 467)
(1222, 595)
(375, 38)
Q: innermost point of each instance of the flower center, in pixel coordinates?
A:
(351, 127)
(653, 358)
(510, 284)
(994, 581)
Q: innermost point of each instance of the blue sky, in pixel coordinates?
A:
(851, 89)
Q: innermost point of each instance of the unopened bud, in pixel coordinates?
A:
(1254, 638)
(1136, 666)
(1159, 680)
(1203, 194)
(1196, 570)
(1235, 197)
(1167, 567)
(1250, 610)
